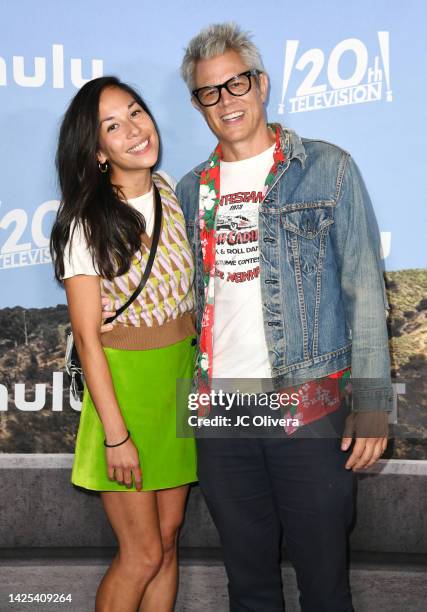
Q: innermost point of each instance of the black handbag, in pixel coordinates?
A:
(73, 366)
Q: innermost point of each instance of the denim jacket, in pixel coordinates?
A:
(322, 286)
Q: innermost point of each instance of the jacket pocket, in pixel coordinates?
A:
(306, 228)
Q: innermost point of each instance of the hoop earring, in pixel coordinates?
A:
(103, 167)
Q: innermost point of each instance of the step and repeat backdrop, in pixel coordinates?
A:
(349, 73)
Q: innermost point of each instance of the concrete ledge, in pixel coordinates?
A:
(39, 508)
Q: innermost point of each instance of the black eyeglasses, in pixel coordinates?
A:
(238, 85)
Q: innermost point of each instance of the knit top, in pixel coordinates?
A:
(163, 313)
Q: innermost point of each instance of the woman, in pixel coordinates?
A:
(126, 444)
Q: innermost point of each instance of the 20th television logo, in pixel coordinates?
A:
(367, 81)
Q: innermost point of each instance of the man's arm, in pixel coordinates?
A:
(362, 283)
(363, 290)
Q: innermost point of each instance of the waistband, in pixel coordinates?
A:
(132, 338)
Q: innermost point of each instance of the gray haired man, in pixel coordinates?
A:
(289, 288)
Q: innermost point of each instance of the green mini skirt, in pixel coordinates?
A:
(145, 387)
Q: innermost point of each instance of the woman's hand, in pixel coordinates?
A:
(122, 463)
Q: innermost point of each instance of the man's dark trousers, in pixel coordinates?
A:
(257, 488)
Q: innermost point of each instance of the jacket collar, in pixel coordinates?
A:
(290, 142)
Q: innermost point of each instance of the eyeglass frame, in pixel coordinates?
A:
(248, 73)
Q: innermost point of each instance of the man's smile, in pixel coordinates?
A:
(233, 117)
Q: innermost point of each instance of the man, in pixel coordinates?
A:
(289, 288)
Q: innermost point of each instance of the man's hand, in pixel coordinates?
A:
(370, 432)
(366, 452)
(106, 313)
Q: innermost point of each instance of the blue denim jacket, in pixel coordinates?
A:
(322, 286)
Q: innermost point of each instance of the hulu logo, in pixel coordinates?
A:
(27, 72)
(40, 398)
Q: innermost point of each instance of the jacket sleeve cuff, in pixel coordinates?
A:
(365, 400)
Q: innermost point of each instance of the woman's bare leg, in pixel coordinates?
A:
(134, 518)
(160, 594)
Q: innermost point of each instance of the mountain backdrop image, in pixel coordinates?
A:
(37, 416)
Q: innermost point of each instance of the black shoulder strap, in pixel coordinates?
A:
(154, 243)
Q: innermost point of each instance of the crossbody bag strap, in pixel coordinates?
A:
(154, 244)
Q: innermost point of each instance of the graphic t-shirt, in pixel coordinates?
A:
(239, 345)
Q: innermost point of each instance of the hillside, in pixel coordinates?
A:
(32, 348)
(407, 294)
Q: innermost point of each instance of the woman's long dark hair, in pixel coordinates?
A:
(112, 229)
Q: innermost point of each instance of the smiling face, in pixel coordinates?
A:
(237, 121)
(127, 137)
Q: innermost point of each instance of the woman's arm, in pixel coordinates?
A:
(84, 304)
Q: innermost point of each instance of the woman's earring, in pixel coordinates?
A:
(103, 167)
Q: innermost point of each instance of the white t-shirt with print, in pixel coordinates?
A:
(239, 345)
